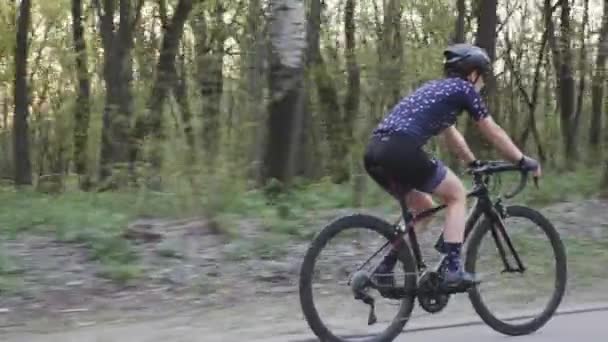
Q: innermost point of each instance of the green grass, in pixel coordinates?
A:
(10, 280)
(96, 221)
(93, 220)
(568, 186)
(268, 246)
(121, 273)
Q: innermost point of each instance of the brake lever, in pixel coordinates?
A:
(536, 181)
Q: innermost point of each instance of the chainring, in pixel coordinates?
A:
(433, 303)
(430, 297)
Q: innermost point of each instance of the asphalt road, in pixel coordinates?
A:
(577, 327)
(583, 327)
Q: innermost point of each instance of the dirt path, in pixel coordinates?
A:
(252, 300)
(263, 321)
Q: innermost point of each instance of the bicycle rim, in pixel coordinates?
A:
(349, 322)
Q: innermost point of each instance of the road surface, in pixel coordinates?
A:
(583, 327)
(587, 327)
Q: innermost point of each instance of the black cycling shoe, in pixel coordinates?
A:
(458, 280)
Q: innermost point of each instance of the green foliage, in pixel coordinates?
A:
(267, 246)
(9, 274)
(560, 187)
(222, 190)
(121, 273)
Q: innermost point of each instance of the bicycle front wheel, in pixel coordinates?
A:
(517, 302)
(326, 297)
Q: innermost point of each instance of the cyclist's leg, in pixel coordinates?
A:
(453, 194)
(441, 181)
(417, 202)
(384, 161)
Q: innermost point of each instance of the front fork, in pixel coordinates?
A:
(498, 229)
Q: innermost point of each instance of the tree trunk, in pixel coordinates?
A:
(486, 39)
(6, 168)
(21, 148)
(597, 85)
(287, 48)
(82, 111)
(582, 68)
(531, 100)
(566, 80)
(180, 92)
(255, 48)
(116, 140)
(353, 84)
(391, 52)
(351, 102)
(210, 64)
(331, 111)
(459, 37)
(459, 32)
(555, 49)
(164, 81)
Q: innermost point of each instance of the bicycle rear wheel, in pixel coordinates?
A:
(536, 241)
(362, 230)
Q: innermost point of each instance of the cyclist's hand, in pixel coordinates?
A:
(529, 164)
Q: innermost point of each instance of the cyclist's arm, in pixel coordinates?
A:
(499, 138)
(476, 107)
(455, 142)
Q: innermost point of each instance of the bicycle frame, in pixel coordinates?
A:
(484, 206)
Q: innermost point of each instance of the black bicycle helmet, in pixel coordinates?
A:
(462, 59)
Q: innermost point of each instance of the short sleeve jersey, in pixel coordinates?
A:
(432, 108)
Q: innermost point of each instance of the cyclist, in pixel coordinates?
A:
(395, 158)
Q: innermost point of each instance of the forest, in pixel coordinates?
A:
(175, 96)
(163, 154)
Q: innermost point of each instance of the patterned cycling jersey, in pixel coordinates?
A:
(432, 108)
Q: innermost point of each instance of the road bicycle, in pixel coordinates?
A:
(424, 284)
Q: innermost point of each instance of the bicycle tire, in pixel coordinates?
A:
(537, 322)
(306, 296)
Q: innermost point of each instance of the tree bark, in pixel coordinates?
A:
(566, 80)
(597, 85)
(331, 111)
(82, 111)
(555, 49)
(391, 52)
(353, 83)
(287, 48)
(255, 47)
(210, 64)
(351, 102)
(582, 68)
(531, 100)
(459, 31)
(164, 81)
(180, 92)
(486, 39)
(6, 168)
(116, 138)
(21, 148)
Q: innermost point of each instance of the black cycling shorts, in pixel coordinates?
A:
(399, 165)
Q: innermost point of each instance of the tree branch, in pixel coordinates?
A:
(517, 76)
(38, 57)
(503, 23)
(140, 4)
